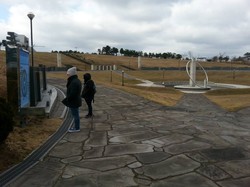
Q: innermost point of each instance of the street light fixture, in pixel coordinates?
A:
(31, 16)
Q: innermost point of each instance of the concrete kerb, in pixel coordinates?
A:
(45, 106)
(65, 108)
(148, 83)
(50, 99)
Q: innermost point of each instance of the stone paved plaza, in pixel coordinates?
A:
(135, 142)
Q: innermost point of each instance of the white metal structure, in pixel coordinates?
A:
(191, 71)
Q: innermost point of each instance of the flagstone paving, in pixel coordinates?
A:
(135, 142)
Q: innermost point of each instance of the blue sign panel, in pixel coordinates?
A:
(24, 79)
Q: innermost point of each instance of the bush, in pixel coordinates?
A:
(6, 120)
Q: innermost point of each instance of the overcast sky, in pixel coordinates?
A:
(204, 27)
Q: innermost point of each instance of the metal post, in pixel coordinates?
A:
(122, 78)
(32, 78)
(111, 76)
(31, 16)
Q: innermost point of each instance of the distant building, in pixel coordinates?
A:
(246, 57)
(201, 59)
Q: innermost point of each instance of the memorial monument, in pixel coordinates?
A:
(191, 71)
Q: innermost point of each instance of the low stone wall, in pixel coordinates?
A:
(103, 67)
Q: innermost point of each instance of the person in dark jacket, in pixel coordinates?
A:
(73, 97)
(88, 93)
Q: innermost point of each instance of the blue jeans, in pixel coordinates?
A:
(75, 114)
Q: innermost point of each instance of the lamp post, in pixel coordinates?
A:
(31, 16)
(32, 78)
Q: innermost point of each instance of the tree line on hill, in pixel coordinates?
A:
(107, 50)
(222, 58)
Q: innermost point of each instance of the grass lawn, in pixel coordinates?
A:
(22, 141)
(230, 99)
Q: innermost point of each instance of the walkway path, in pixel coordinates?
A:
(135, 142)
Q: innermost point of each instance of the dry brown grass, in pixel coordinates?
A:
(22, 141)
(165, 96)
(226, 98)
(132, 62)
(237, 77)
(50, 60)
(231, 103)
(152, 62)
(230, 99)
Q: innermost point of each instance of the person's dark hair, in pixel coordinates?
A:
(87, 76)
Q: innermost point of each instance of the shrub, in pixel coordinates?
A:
(6, 120)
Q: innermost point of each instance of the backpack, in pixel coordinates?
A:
(94, 89)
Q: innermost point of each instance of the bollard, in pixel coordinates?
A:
(205, 83)
(122, 78)
(111, 76)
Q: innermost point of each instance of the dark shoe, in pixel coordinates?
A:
(88, 116)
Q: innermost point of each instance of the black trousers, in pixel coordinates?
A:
(89, 104)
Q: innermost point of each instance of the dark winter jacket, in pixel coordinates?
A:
(73, 95)
(88, 87)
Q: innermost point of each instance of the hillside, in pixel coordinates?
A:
(132, 62)
(122, 62)
(49, 60)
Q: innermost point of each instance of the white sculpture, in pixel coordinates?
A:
(191, 71)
